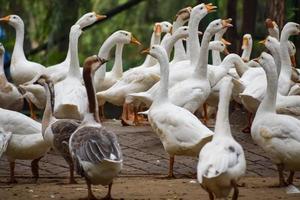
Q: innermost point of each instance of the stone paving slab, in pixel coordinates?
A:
(144, 155)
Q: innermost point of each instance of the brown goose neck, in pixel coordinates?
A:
(90, 90)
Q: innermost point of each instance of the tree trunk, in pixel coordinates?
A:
(275, 10)
(249, 16)
(232, 34)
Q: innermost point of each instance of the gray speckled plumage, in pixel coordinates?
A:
(95, 144)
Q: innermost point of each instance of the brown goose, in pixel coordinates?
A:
(57, 132)
(95, 151)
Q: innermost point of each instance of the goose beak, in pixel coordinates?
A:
(210, 7)
(134, 41)
(226, 52)
(157, 29)
(293, 61)
(171, 30)
(5, 19)
(225, 42)
(262, 42)
(226, 23)
(100, 17)
(200, 33)
(245, 43)
(256, 60)
(145, 51)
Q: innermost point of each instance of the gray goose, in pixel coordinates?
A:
(95, 151)
(57, 132)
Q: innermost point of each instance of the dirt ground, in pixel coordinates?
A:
(152, 187)
(145, 165)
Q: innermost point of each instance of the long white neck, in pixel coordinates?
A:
(222, 127)
(18, 52)
(150, 61)
(117, 69)
(247, 52)
(48, 112)
(216, 57)
(169, 42)
(201, 67)
(164, 80)
(193, 45)
(74, 69)
(104, 53)
(275, 51)
(268, 104)
(179, 51)
(239, 64)
(286, 65)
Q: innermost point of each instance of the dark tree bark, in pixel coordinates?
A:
(232, 34)
(249, 16)
(275, 11)
(64, 15)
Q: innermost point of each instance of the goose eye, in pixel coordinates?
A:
(268, 40)
(222, 45)
(91, 16)
(217, 24)
(185, 29)
(201, 8)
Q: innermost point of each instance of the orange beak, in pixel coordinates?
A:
(133, 40)
(171, 30)
(262, 42)
(157, 29)
(245, 43)
(5, 19)
(293, 61)
(226, 23)
(100, 17)
(226, 52)
(225, 42)
(210, 7)
(145, 51)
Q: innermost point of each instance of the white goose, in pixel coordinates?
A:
(59, 71)
(179, 130)
(26, 141)
(70, 94)
(277, 134)
(10, 97)
(21, 69)
(148, 96)
(216, 57)
(36, 93)
(193, 92)
(95, 150)
(247, 47)
(119, 37)
(222, 161)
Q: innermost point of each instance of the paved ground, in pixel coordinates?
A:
(144, 156)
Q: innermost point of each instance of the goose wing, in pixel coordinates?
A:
(94, 144)
(4, 140)
(215, 159)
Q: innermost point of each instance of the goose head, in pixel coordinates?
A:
(156, 51)
(270, 43)
(217, 25)
(272, 27)
(202, 9)
(92, 64)
(89, 18)
(291, 28)
(267, 62)
(182, 32)
(13, 20)
(162, 27)
(2, 49)
(183, 15)
(124, 37)
(220, 46)
(247, 41)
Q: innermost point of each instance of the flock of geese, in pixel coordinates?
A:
(172, 91)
